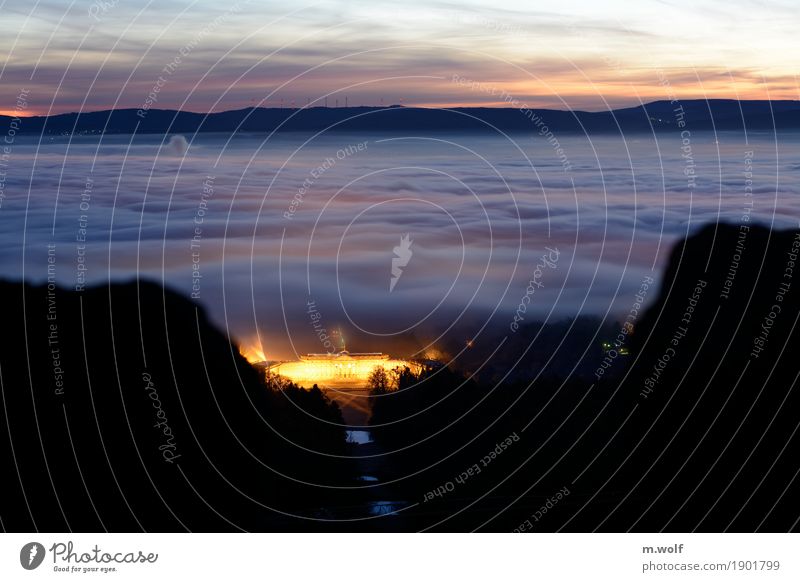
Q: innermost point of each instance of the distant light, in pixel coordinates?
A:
(254, 353)
(621, 350)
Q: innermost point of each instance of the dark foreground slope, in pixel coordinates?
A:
(697, 431)
(715, 381)
(124, 409)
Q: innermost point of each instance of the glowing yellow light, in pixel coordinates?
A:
(253, 352)
(342, 370)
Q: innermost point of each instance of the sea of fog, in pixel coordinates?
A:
(287, 237)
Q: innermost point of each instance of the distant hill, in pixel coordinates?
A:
(719, 114)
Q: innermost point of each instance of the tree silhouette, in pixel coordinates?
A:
(378, 380)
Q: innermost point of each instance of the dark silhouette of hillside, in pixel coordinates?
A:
(719, 114)
(696, 430)
(126, 411)
(718, 426)
(711, 444)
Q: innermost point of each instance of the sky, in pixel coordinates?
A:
(212, 56)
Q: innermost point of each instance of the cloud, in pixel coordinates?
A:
(581, 56)
(259, 268)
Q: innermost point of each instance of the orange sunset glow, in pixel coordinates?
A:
(585, 56)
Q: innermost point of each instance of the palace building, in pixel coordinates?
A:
(338, 370)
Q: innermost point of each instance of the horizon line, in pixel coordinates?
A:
(17, 114)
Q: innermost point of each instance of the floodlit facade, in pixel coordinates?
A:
(338, 370)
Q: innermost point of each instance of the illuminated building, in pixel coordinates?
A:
(338, 370)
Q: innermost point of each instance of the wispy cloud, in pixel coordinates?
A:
(580, 55)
